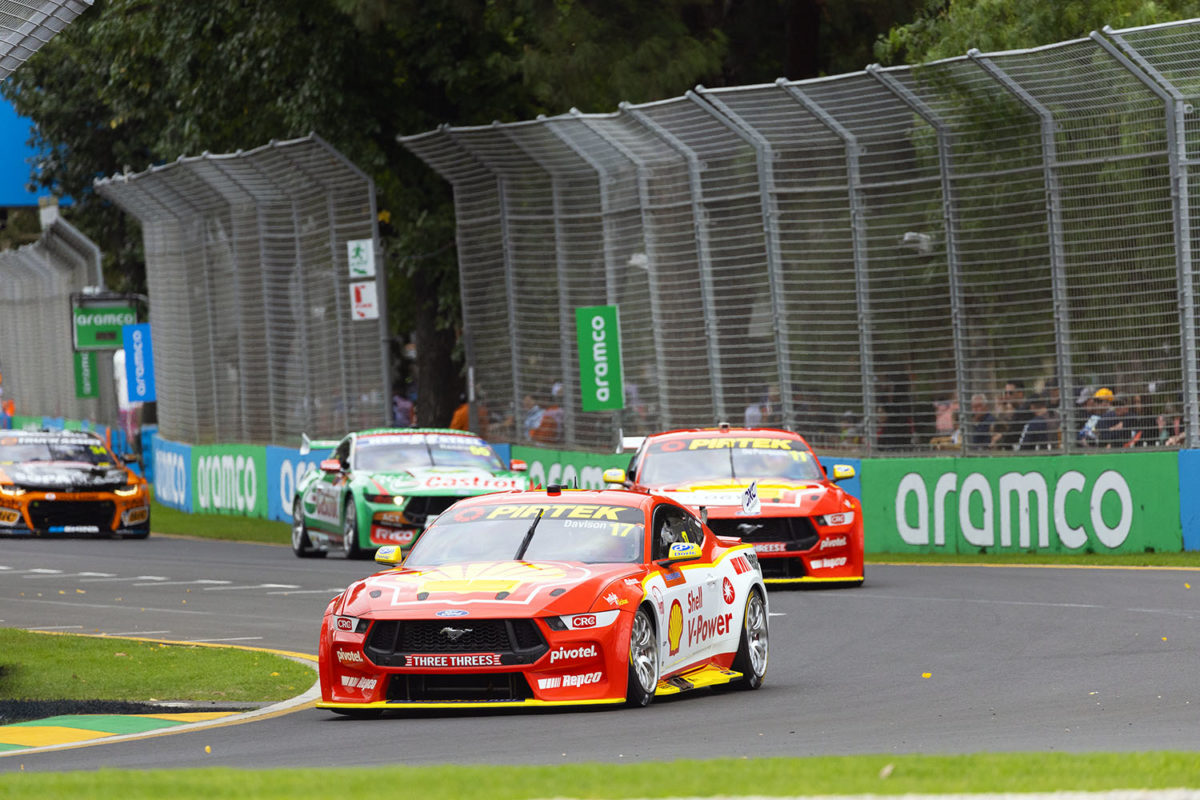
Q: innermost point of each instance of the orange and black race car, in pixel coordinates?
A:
(767, 488)
(68, 482)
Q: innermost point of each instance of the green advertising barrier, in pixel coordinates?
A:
(567, 467)
(229, 479)
(1121, 503)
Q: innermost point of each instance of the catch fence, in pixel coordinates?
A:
(36, 355)
(27, 25)
(260, 267)
(859, 258)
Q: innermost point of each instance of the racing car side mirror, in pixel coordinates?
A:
(842, 471)
(517, 465)
(131, 458)
(614, 475)
(684, 551)
(331, 465)
(389, 555)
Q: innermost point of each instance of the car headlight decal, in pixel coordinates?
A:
(385, 499)
(836, 519)
(128, 490)
(350, 624)
(11, 491)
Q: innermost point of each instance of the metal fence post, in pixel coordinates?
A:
(700, 223)
(566, 342)
(765, 157)
(1177, 111)
(858, 227)
(660, 347)
(608, 235)
(1058, 280)
(950, 220)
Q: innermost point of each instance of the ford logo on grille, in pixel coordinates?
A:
(454, 634)
(453, 612)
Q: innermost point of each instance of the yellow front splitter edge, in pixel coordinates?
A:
(809, 579)
(384, 706)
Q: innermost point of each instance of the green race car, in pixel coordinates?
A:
(382, 487)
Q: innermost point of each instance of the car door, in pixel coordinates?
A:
(322, 500)
(689, 590)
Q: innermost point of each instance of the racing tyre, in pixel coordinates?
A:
(350, 531)
(302, 546)
(643, 660)
(751, 658)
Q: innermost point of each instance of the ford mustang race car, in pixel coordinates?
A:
(68, 482)
(548, 598)
(380, 487)
(764, 486)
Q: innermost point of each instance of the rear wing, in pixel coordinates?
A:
(631, 443)
(307, 445)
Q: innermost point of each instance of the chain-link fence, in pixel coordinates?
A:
(27, 25)
(879, 260)
(261, 320)
(37, 358)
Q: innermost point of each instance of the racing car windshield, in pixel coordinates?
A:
(390, 453)
(678, 461)
(587, 533)
(23, 450)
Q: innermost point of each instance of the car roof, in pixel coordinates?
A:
(57, 436)
(614, 497)
(726, 432)
(414, 431)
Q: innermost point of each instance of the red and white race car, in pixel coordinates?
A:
(764, 486)
(548, 598)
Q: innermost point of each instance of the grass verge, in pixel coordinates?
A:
(38, 666)
(218, 526)
(786, 777)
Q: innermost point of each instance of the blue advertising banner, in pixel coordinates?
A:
(139, 363)
(172, 473)
(1189, 501)
(285, 468)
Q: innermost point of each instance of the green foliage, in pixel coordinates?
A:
(949, 28)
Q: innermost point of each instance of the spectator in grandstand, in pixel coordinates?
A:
(402, 409)
(1053, 413)
(1097, 406)
(851, 430)
(1116, 425)
(764, 411)
(896, 422)
(1014, 413)
(983, 422)
(1171, 431)
(461, 421)
(1035, 434)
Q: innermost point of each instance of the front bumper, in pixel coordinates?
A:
(74, 513)
(567, 668)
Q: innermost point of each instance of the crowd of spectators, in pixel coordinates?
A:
(1097, 417)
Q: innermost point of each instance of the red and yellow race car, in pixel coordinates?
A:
(548, 598)
(767, 488)
(68, 482)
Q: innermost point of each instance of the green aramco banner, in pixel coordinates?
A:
(1123, 503)
(600, 384)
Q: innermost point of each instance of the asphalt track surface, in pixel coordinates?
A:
(922, 659)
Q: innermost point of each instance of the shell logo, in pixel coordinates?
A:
(675, 627)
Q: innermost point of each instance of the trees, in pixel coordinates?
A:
(949, 28)
(133, 83)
